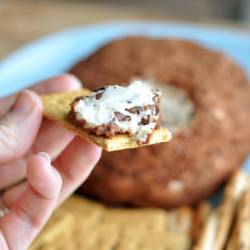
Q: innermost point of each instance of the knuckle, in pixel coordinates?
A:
(9, 139)
(4, 244)
(69, 174)
(24, 216)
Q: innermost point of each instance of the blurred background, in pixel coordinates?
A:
(25, 20)
(228, 9)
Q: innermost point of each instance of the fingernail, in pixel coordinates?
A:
(46, 156)
(75, 83)
(25, 102)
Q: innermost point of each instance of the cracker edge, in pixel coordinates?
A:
(236, 186)
(53, 228)
(200, 218)
(239, 238)
(216, 231)
(208, 235)
(177, 238)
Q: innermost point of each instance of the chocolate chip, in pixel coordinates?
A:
(99, 95)
(100, 89)
(154, 109)
(157, 110)
(99, 92)
(151, 108)
(145, 121)
(121, 117)
(135, 110)
(156, 99)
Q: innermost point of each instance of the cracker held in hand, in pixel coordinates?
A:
(112, 117)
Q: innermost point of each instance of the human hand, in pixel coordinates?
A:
(23, 136)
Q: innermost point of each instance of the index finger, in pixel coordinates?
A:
(59, 83)
(44, 87)
(19, 127)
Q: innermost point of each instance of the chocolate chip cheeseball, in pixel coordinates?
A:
(205, 102)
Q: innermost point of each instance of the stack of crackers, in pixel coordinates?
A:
(228, 226)
(83, 224)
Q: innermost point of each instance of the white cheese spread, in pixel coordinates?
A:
(118, 99)
(177, 109)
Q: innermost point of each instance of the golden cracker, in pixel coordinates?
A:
(236, 186)
(172, 240)
(243, 220)
(155, 219)
(200, 218)
(240, 236)
(207, 237)
(216, 231)
(181, 219)
(118, 228)
(57, 106)
(184, 219)
(59, 221)
(232, 242)
(80, 207)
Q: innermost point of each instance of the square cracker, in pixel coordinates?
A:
(243, 221)
(59, 221)
(56, 107)
(217, 229)
(98, 227)
(236, 186)
(200, 218)
(239, 238)
(208, 234)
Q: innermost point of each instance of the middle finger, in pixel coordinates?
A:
(12, 173)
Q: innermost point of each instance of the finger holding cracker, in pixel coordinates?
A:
(112, 117)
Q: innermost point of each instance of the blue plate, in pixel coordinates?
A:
(56, 53)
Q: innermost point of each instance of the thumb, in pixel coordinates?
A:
(19, 127)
